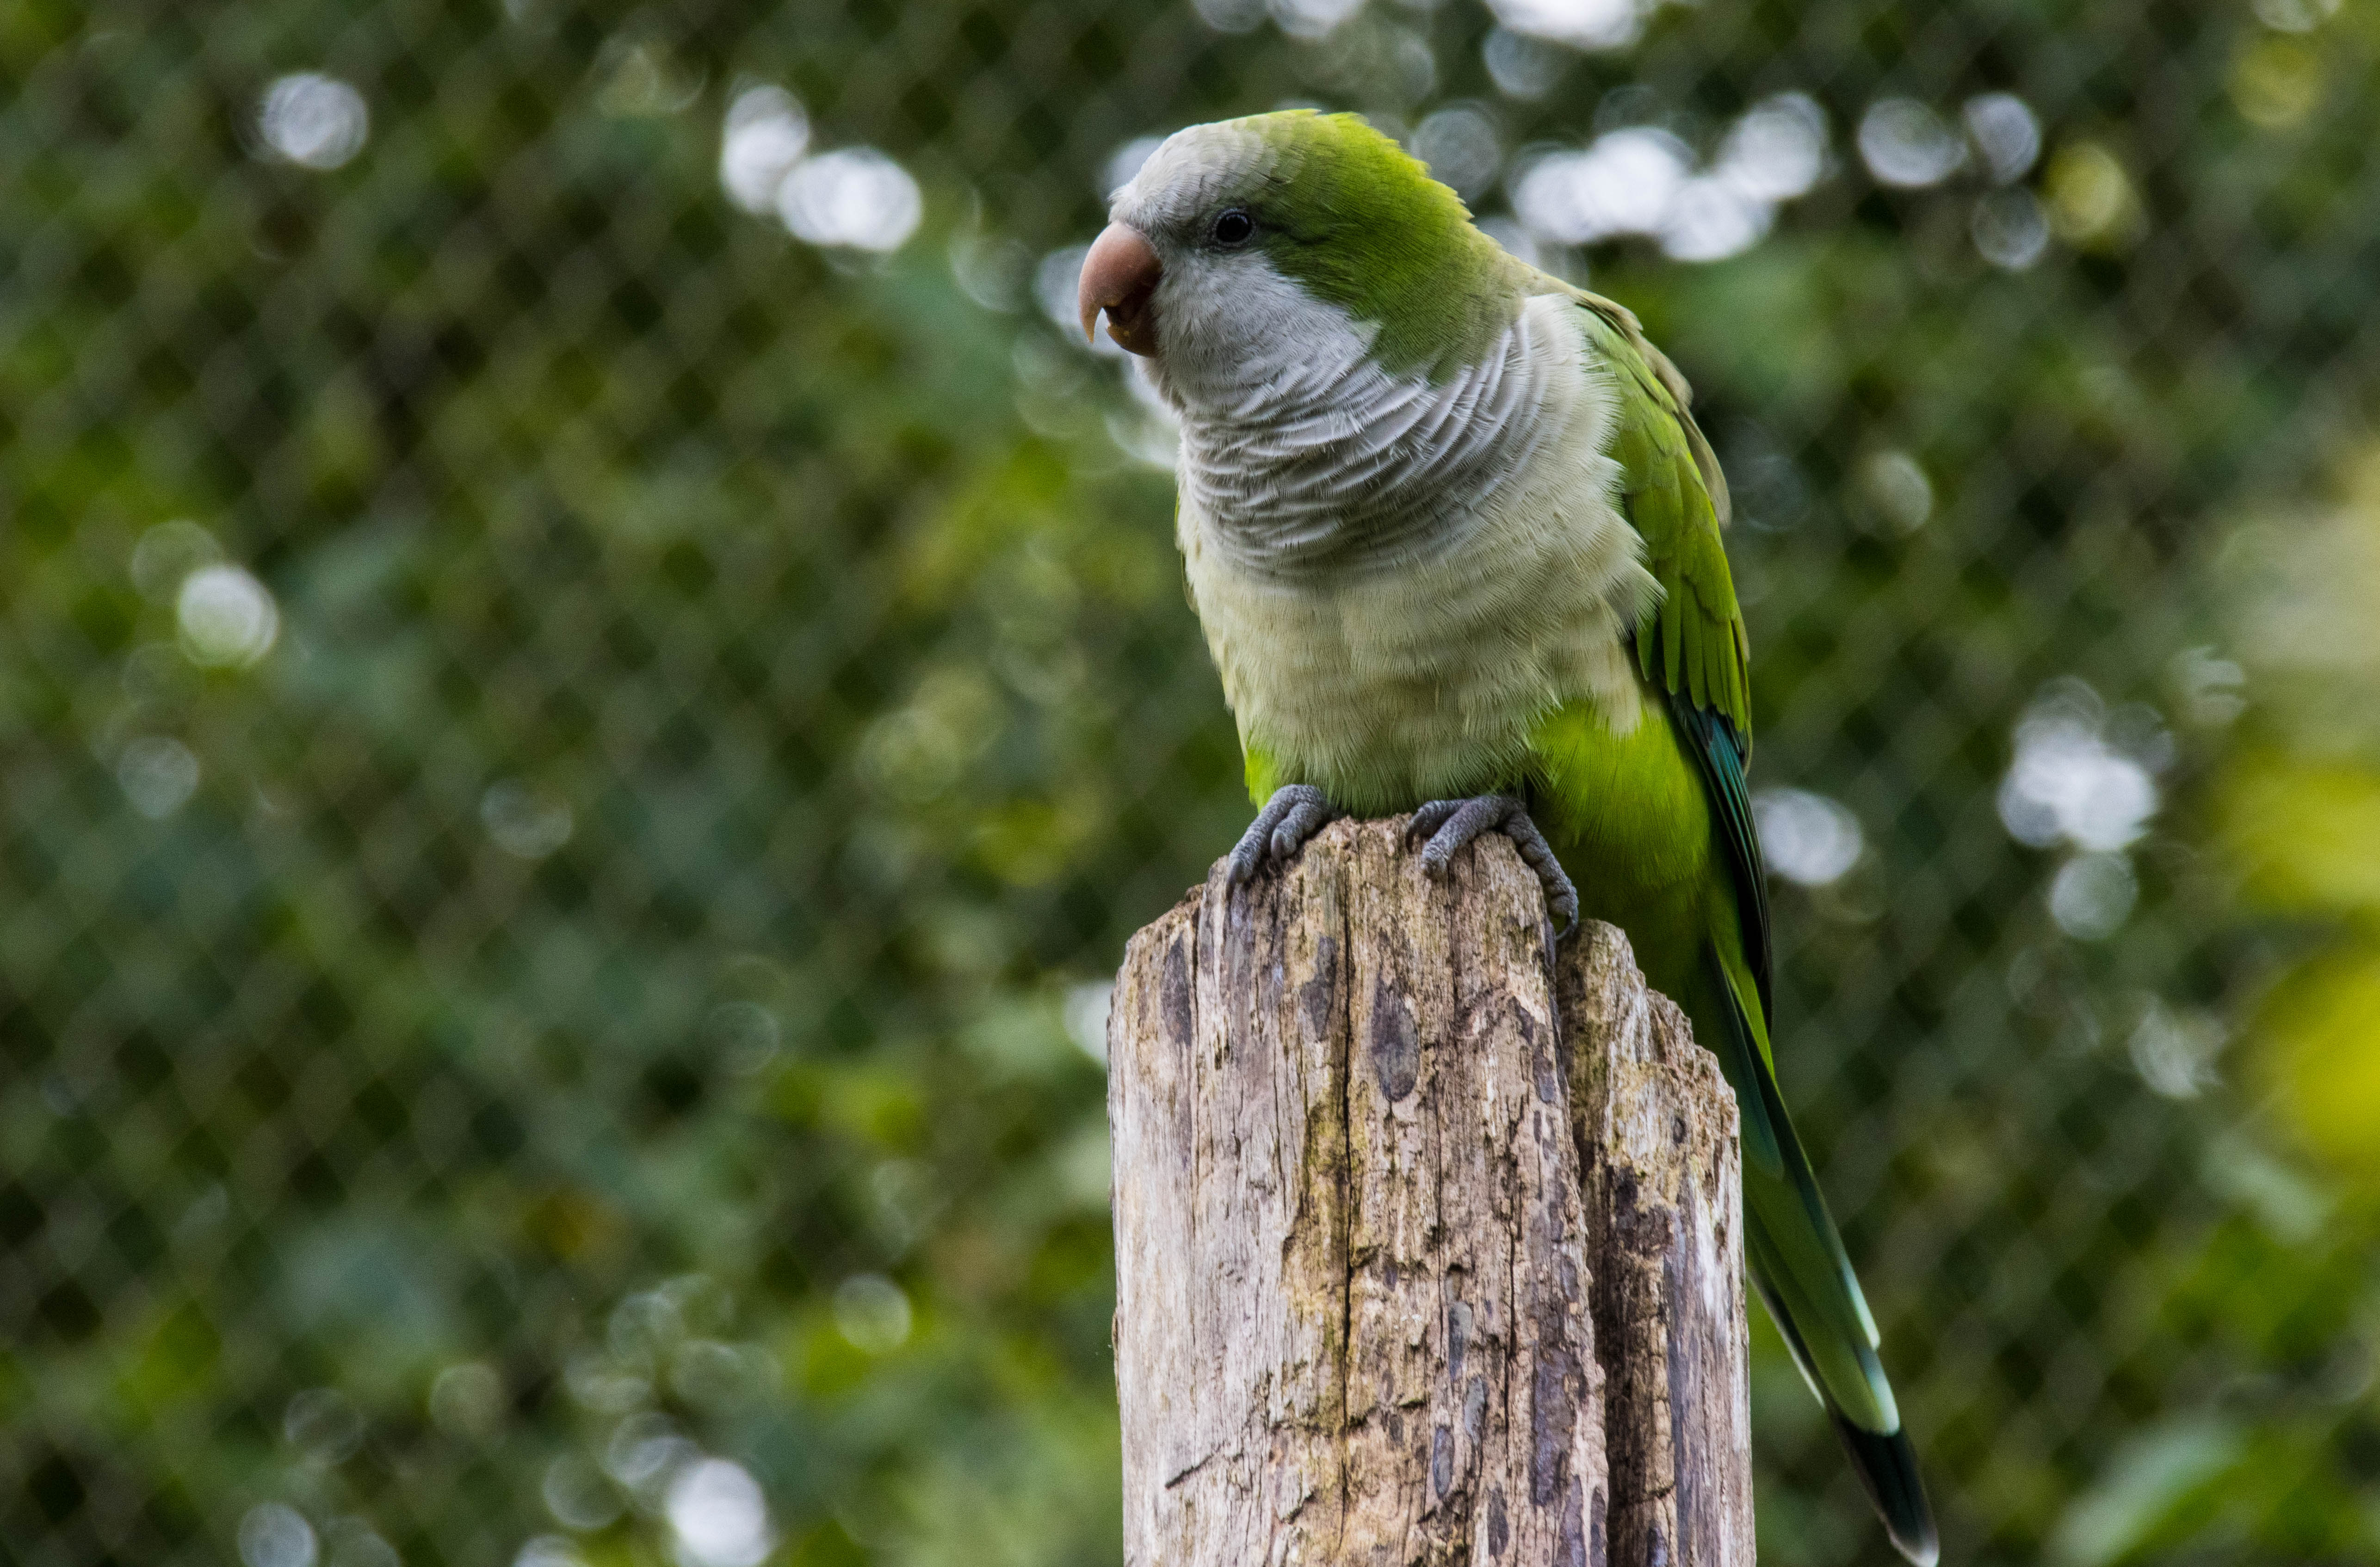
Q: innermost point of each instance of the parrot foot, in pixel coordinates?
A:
(1295, 812)
(1450, 824)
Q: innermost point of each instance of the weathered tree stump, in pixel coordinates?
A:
(1427, 1250)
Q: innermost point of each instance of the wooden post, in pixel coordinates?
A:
(1427, 1250)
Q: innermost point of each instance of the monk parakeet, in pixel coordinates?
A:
(1453, 538)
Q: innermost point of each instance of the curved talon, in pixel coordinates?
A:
(1295, 812)
(1450, 824)
(1428, 817)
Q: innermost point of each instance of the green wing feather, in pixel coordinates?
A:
(1677, 497)
(1693, 646)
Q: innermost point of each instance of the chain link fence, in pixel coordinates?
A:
(593, 687)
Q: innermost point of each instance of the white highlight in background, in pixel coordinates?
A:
(767, 133)
(2068, 784)
(1642, 180)
(548, 1550)
(1311, 19)
(854, 197)
(2005, 132)
(273, 1534)
(1461, 147)
(1806, 838)
(718, 1516)
(1087, 1017)
(227, 618)
(2009, 229)
(1906, 144)
(2092, 895)
(1777, 150)
(314, 121)
(1581, 24)
(1624, 183)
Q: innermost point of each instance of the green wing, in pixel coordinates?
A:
(1696, 649)
(1676, 498)
(1692, 647)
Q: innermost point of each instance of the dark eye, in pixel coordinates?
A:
(1233, 227)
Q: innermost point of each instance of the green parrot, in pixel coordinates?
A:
(1454, 539)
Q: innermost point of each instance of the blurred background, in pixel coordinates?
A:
(594, 677)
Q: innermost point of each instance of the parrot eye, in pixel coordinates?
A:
(1233, 227)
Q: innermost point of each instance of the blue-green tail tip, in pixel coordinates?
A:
(1887, 1465)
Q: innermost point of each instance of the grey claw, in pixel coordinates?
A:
(1452, 824)
(1466, 820)
(1429, 818)
(1561, 893)
(1295, 812)
(1305, 820)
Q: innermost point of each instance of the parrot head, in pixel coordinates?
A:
(1238, 240)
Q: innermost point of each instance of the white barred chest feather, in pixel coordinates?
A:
(1399, 580)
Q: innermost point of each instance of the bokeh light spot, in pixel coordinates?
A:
(2009, 229)
(872, 1313)
(1893, 482)
(157, 773)
(1312, 18)
(766, 134)
(2068, 784)
(2092, 895)
(1777, 149)
(1581, 24)
(315, 121)
(1087, 1017)
(1624, 183)
(228, 619)
(579, 1495)
(1807, 838)
(2090, 197)
(467, 1399)
(523, 822)
(2005, 132)
(1906, 144)
(1461, 147)
(856, 197)
(718, 1516)
(274, 1533)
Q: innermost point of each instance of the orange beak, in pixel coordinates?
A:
(1120, 276)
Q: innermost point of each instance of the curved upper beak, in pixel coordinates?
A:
(1120, 276)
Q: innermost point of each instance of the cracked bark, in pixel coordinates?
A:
(1427, 1250)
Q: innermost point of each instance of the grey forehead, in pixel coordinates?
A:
(1187, 174)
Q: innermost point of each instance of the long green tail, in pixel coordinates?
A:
(1795, 1252)
(1804, 1278)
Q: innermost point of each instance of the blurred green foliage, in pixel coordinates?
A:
(573, 763)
